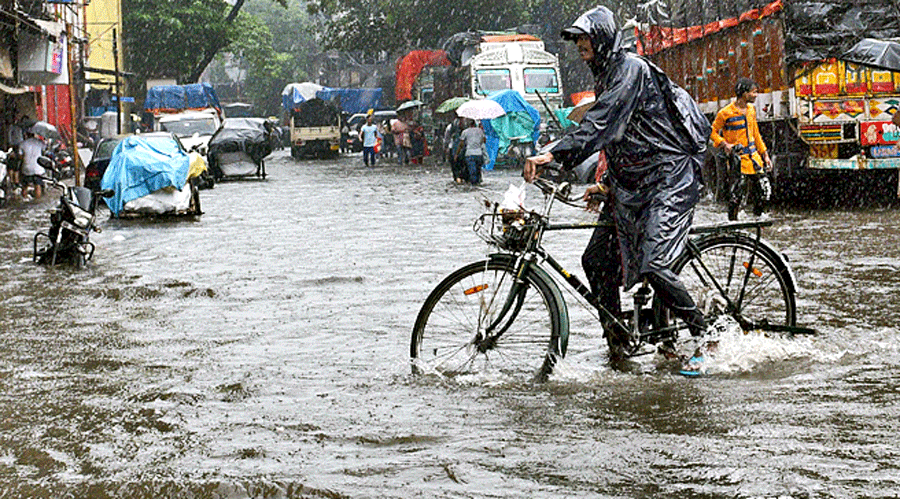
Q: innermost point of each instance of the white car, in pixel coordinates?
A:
(193, 128)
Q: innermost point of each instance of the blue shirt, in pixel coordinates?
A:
(369, 134)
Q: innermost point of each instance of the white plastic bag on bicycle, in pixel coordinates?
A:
(514, 198)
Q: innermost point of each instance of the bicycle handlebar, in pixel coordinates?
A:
(562, 191)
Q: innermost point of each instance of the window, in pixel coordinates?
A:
(488, 81)
(187, 127)
(541, 80)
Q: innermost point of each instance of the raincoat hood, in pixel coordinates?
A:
(599, 25)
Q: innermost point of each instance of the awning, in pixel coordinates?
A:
(17, 16)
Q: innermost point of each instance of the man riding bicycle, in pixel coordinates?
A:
(654, 137)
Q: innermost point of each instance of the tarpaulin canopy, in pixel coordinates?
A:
(250, 135)
(142, 164)
(352, 100)
(521, 122)
(822, 30)
(409, 67)
(296, 93)
(658, 37)
(813, 30)
(881, 54)
(176, 98)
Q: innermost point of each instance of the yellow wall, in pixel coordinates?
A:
(101, 16)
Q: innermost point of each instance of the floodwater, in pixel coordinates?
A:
(261, 350)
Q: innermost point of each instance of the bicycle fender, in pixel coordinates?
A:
(541, 274)
(764, 246)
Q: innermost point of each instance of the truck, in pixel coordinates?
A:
(486, 62)
(167, 100)
(191, 112)
(822, 115)
(315, 126)
(315, 115)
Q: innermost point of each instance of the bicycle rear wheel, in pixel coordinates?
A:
(450, 335)
(761, 294)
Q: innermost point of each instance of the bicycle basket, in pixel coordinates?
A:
(506, 229)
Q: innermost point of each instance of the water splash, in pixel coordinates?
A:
(731, 350)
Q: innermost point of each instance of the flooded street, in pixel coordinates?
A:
(262, 350)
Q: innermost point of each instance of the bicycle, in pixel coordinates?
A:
(507, 312)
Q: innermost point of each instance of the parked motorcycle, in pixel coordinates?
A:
(71, 224)
(64, 163)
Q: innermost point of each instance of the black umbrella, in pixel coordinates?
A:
(880, 54)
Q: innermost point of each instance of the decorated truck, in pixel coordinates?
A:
(824, 105)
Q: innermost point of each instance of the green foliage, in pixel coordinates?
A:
(177, 38)
(397, 25)
(167, 39)
(274, 50)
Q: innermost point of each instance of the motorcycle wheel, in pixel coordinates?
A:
(78, 260)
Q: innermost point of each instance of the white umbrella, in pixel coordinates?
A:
(482, 109)
(410, 104)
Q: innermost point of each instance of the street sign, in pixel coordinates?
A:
(124, 99)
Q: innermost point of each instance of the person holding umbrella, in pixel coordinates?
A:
(31, 149)
(654, 137)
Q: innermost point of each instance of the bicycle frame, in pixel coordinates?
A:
(534, 252)
(528, 257)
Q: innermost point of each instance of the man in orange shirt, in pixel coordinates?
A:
(735, 130)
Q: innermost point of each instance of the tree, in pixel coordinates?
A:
(177, 38)
(275, 49)
(397, 25)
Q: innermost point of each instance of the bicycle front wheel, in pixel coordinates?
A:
(476, 321)
(752, 275)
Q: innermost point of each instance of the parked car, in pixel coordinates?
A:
(96, 167)
(358, 120)
(153, 174)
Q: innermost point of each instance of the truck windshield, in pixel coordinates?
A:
(490, 80)
(186, 128)
(541, 80)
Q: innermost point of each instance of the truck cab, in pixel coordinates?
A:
(517, 62)
(193, 128)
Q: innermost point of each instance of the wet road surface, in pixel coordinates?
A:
(261, 350)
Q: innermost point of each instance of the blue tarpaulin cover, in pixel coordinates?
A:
(141, 165)
(521, 120)
(352, 100)
(175, 98)
(349, 100)
(295, 94)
